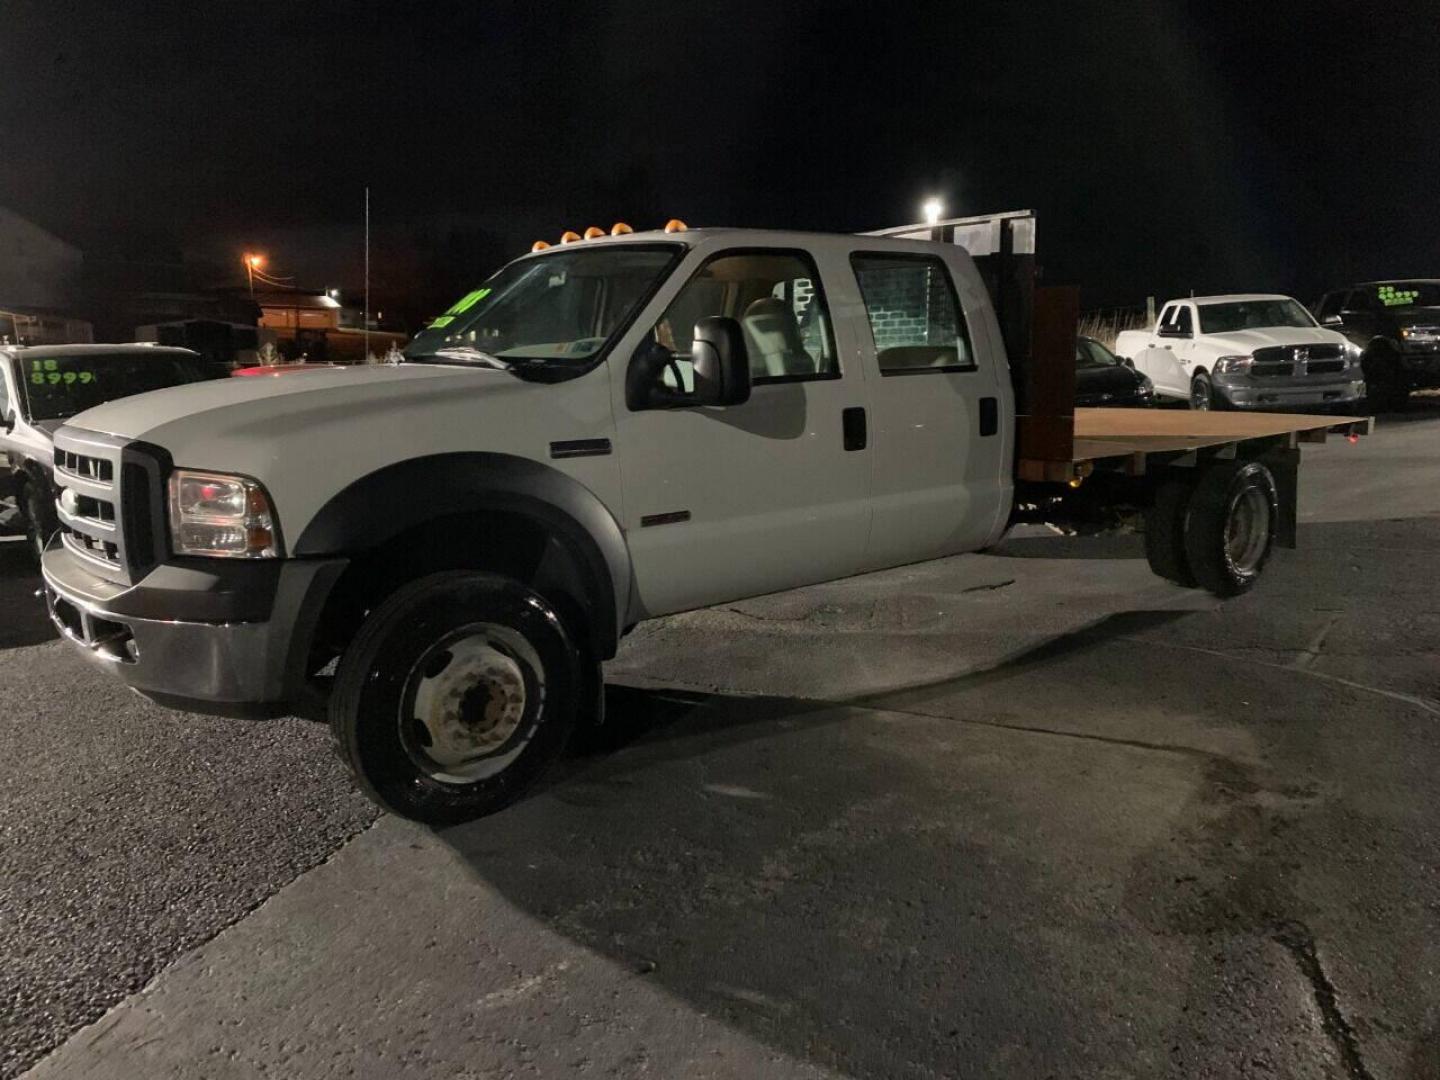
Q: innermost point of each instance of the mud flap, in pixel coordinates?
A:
(1284, 465)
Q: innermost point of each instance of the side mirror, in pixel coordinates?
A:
(722, 365)
(1127, 362)
(1331, 320)
(7, 422)
(720, 370)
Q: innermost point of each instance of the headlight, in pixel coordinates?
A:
(214, 514)
(1352, 354)
(1233, 365)
(1146, 385)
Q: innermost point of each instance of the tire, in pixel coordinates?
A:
(1165, 532)
(455, 695)
(1230, 527)
(41, 522)
(1385, 388)
(1202, 394)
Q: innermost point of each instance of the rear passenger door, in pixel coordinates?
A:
(942, 474)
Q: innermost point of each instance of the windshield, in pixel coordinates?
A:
(557, 310)
(1091, 354)
(1401, 294)
(1252, 315)
(58, 387)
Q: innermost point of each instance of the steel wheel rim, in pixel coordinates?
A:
(471, 704)
(1247, 530)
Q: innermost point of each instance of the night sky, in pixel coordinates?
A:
(1166, 146)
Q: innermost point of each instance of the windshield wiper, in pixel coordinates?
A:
(463, 354)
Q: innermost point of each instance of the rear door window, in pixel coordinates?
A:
(914, 313)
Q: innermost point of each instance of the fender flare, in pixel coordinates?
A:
(381, 505)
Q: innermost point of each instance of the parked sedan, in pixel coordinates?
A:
(1102, 378)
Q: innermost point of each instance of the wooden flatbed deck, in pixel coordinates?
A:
(1136, 433)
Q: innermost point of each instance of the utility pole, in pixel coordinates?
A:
(367, 273)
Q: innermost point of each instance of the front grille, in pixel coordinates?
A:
(85, 467)
(105, 551)
(1287, 361)
(109, 505)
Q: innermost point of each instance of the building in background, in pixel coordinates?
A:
(40, 285)
(315, 326)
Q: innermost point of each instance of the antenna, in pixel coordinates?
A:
(367, 274)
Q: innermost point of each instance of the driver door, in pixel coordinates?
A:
(727, 502)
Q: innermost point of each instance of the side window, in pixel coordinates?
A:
(914, 314)
(776, 298)
(1361, 300)
(1182, 321)
(1167, 317)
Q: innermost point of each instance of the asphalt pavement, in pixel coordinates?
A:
(1033, 813)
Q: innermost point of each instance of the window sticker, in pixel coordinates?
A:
(1390, 296)
(464, 304)
(47, 373)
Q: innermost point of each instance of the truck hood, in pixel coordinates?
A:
(1247, 341)
(224, 400)
(307, 436)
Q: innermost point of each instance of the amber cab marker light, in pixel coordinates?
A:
(593, 231)
(539, 245)
(674, 225)
(620, 229)
(569, 236)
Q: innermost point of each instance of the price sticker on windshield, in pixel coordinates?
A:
(48, 373)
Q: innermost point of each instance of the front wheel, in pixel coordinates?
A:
(1202, 393)
(455, 695)
(1385, 387)
(41, 522)
(1230, 526)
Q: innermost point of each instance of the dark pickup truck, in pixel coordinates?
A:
(1397, 324)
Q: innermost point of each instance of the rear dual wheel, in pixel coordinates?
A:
(1216, 531)
(455, 695)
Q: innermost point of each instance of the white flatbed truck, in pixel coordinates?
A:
(605, 431)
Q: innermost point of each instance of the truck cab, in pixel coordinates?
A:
(604, 431)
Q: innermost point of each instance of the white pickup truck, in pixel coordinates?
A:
(604, 431)
(1252, 351)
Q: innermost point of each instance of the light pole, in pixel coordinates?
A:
(253, 262)
(932, 210)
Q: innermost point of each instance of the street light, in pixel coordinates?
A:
(933, 209)
(253, 262)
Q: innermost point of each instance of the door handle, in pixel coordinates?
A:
(1167, 348)
(852, 424)
(989, 416)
